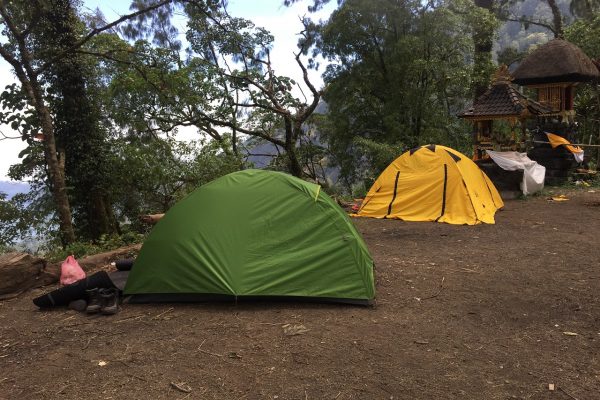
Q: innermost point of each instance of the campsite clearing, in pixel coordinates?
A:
(463, 312)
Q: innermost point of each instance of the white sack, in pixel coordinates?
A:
(533, 173)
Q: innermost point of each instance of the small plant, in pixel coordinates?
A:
(106, 243)
(76, 249)
(359, 190)
(110, 242)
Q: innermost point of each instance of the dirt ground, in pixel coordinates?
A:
(482, 312)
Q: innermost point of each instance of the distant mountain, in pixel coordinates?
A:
(12, 188)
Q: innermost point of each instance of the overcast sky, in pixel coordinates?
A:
(282, 22)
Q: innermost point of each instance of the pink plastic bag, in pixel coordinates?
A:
(70, 271)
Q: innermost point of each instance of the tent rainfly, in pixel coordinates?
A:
(433, 183)
(252, 234)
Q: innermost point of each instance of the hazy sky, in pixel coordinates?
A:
(282, 22)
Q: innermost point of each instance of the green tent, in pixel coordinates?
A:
(253, 233)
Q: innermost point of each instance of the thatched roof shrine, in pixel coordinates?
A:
(556, 61)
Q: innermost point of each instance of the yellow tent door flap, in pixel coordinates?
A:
(433, 183)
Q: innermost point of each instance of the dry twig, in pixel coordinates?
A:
(63, 388)
(138, 377)
(567, 393)
(206, 351)
(133, 318)
(88, 342)
(182, 387)
(163, 313)
(438, 292)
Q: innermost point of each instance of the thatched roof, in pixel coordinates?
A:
(556, 61)
(503, 100)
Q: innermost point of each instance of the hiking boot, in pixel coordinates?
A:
(78, 305)
(94, 303)
(110, 301)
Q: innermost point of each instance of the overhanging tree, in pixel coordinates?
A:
(79, 135)
(20, 22)
(227, 84)
(483, 40)
(399, 72)
(556, 25)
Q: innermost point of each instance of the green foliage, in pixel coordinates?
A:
(53, 112)
(225, 85)
(16, 113)
(83, 249)
(509, 56)
(585, 33)
(151, 174)
(9, 225)
(360, 190)
(585, 8)
(484, 25)
(380, 154)
(75, 105)
(76, 249)
(23, 219)
(400, 72)
(528, 23)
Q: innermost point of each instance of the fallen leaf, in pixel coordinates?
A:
(181, 386)
(293, 330)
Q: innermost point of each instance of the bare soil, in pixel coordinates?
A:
(463, 312)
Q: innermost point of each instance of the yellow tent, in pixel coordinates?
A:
(433, 183)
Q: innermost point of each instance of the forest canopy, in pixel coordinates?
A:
(99, 103)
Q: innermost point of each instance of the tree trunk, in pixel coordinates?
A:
(56, 177)
(293, 164)
(98, 218)
(111, 217)
(483, 40)
(598, 127)
(55, 173)
(557, 19)
(20, 272)
(76, 126)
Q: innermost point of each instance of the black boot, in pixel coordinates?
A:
(110, 301)
(78, 305)
(94, 301)
(75, 291)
